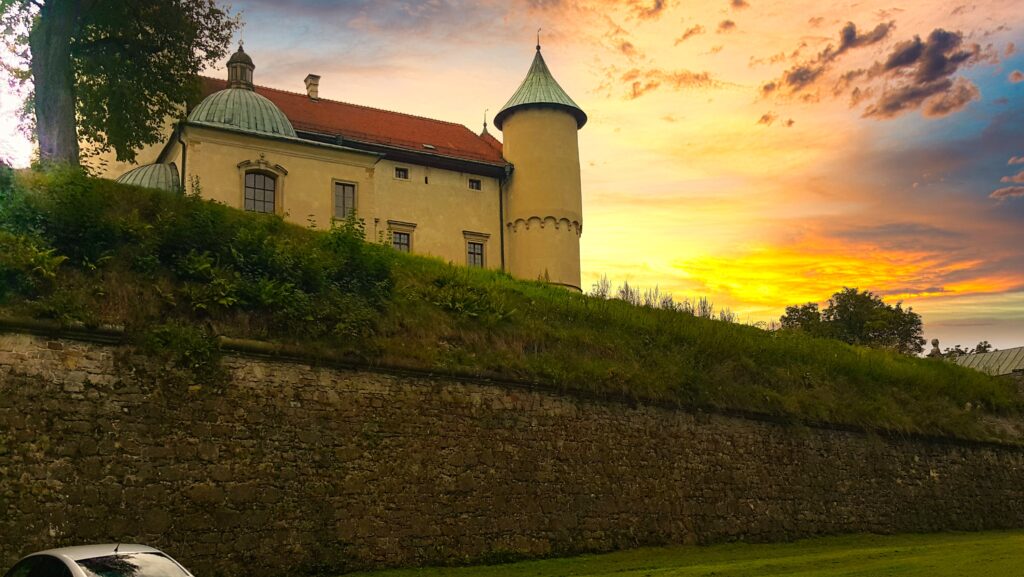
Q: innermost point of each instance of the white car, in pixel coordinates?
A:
(114, 560)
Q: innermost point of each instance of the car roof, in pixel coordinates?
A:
(90, 551)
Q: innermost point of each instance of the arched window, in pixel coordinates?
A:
(260, 191)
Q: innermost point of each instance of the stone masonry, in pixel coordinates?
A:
(291, 469)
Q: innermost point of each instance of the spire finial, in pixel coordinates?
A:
(486, 110)
(538, 40)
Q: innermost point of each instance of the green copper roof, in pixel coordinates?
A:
(540, 88)
(244, 110)
(162, 176)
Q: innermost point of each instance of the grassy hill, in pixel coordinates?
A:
(176, 271)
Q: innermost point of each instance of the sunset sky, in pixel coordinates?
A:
(759, 153)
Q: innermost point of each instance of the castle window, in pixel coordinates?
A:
(402, 241)
(401, 234)
(476, 247)
(344, 199)
(401, 173)
(475, 254)
(260, 191)
(475, 184)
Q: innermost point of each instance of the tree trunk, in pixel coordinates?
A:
(54, 80)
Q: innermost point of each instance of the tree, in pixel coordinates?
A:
(859, 318)
(805, 317)
(110, 71)
(959, 351)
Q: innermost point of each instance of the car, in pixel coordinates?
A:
(113, 560)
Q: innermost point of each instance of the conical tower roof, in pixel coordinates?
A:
(540, 89)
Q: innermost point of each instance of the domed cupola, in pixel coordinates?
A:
(239, 107)
(240, 69)
(159, 175)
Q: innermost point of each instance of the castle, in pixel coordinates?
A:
(429, 186)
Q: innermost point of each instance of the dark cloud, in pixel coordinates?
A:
(1007, 192)
(799, 77)
(916, 74)
(816, 21)
(849, 38)
(1015, 179)
(1016, 76)
(739, 4)
(907, 97)
(806, 74)
(767, 118)
(789, 122)
(1011, 48)
(689, 33)
(628, 49)
(645, 11)
(726, 26)
(956, 98)
(919, 73)
(939, 57)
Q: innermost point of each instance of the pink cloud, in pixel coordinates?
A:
(1016, 76)
(1017, 178)
(1007, 192)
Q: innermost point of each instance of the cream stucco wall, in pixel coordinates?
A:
(544, 218)
(443, 208)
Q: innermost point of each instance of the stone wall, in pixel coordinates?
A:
(297, 469)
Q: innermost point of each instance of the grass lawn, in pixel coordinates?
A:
(992, 554)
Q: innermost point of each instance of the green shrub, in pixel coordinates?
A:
(184, 347)
(25, 267)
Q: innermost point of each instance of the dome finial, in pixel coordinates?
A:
(538, 40)
(485, 118)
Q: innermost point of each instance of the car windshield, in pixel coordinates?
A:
(131, 565)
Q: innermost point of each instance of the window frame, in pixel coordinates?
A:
(472, 255)
(274, 178)
(408, 173)
(334, 198)
(262, 165)
(480, 238)
(401, 227)
(479, 184)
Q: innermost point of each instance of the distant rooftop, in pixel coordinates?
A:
(997, 363)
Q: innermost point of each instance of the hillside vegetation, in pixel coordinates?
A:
(176, 271)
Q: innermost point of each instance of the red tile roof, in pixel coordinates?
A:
(490, 140)
(375, 126)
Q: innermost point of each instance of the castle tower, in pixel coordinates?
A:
(544, 200)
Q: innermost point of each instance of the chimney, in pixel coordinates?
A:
(313, 86)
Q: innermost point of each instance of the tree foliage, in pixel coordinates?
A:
(859, 318)
(959, 351)
(110, 72)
